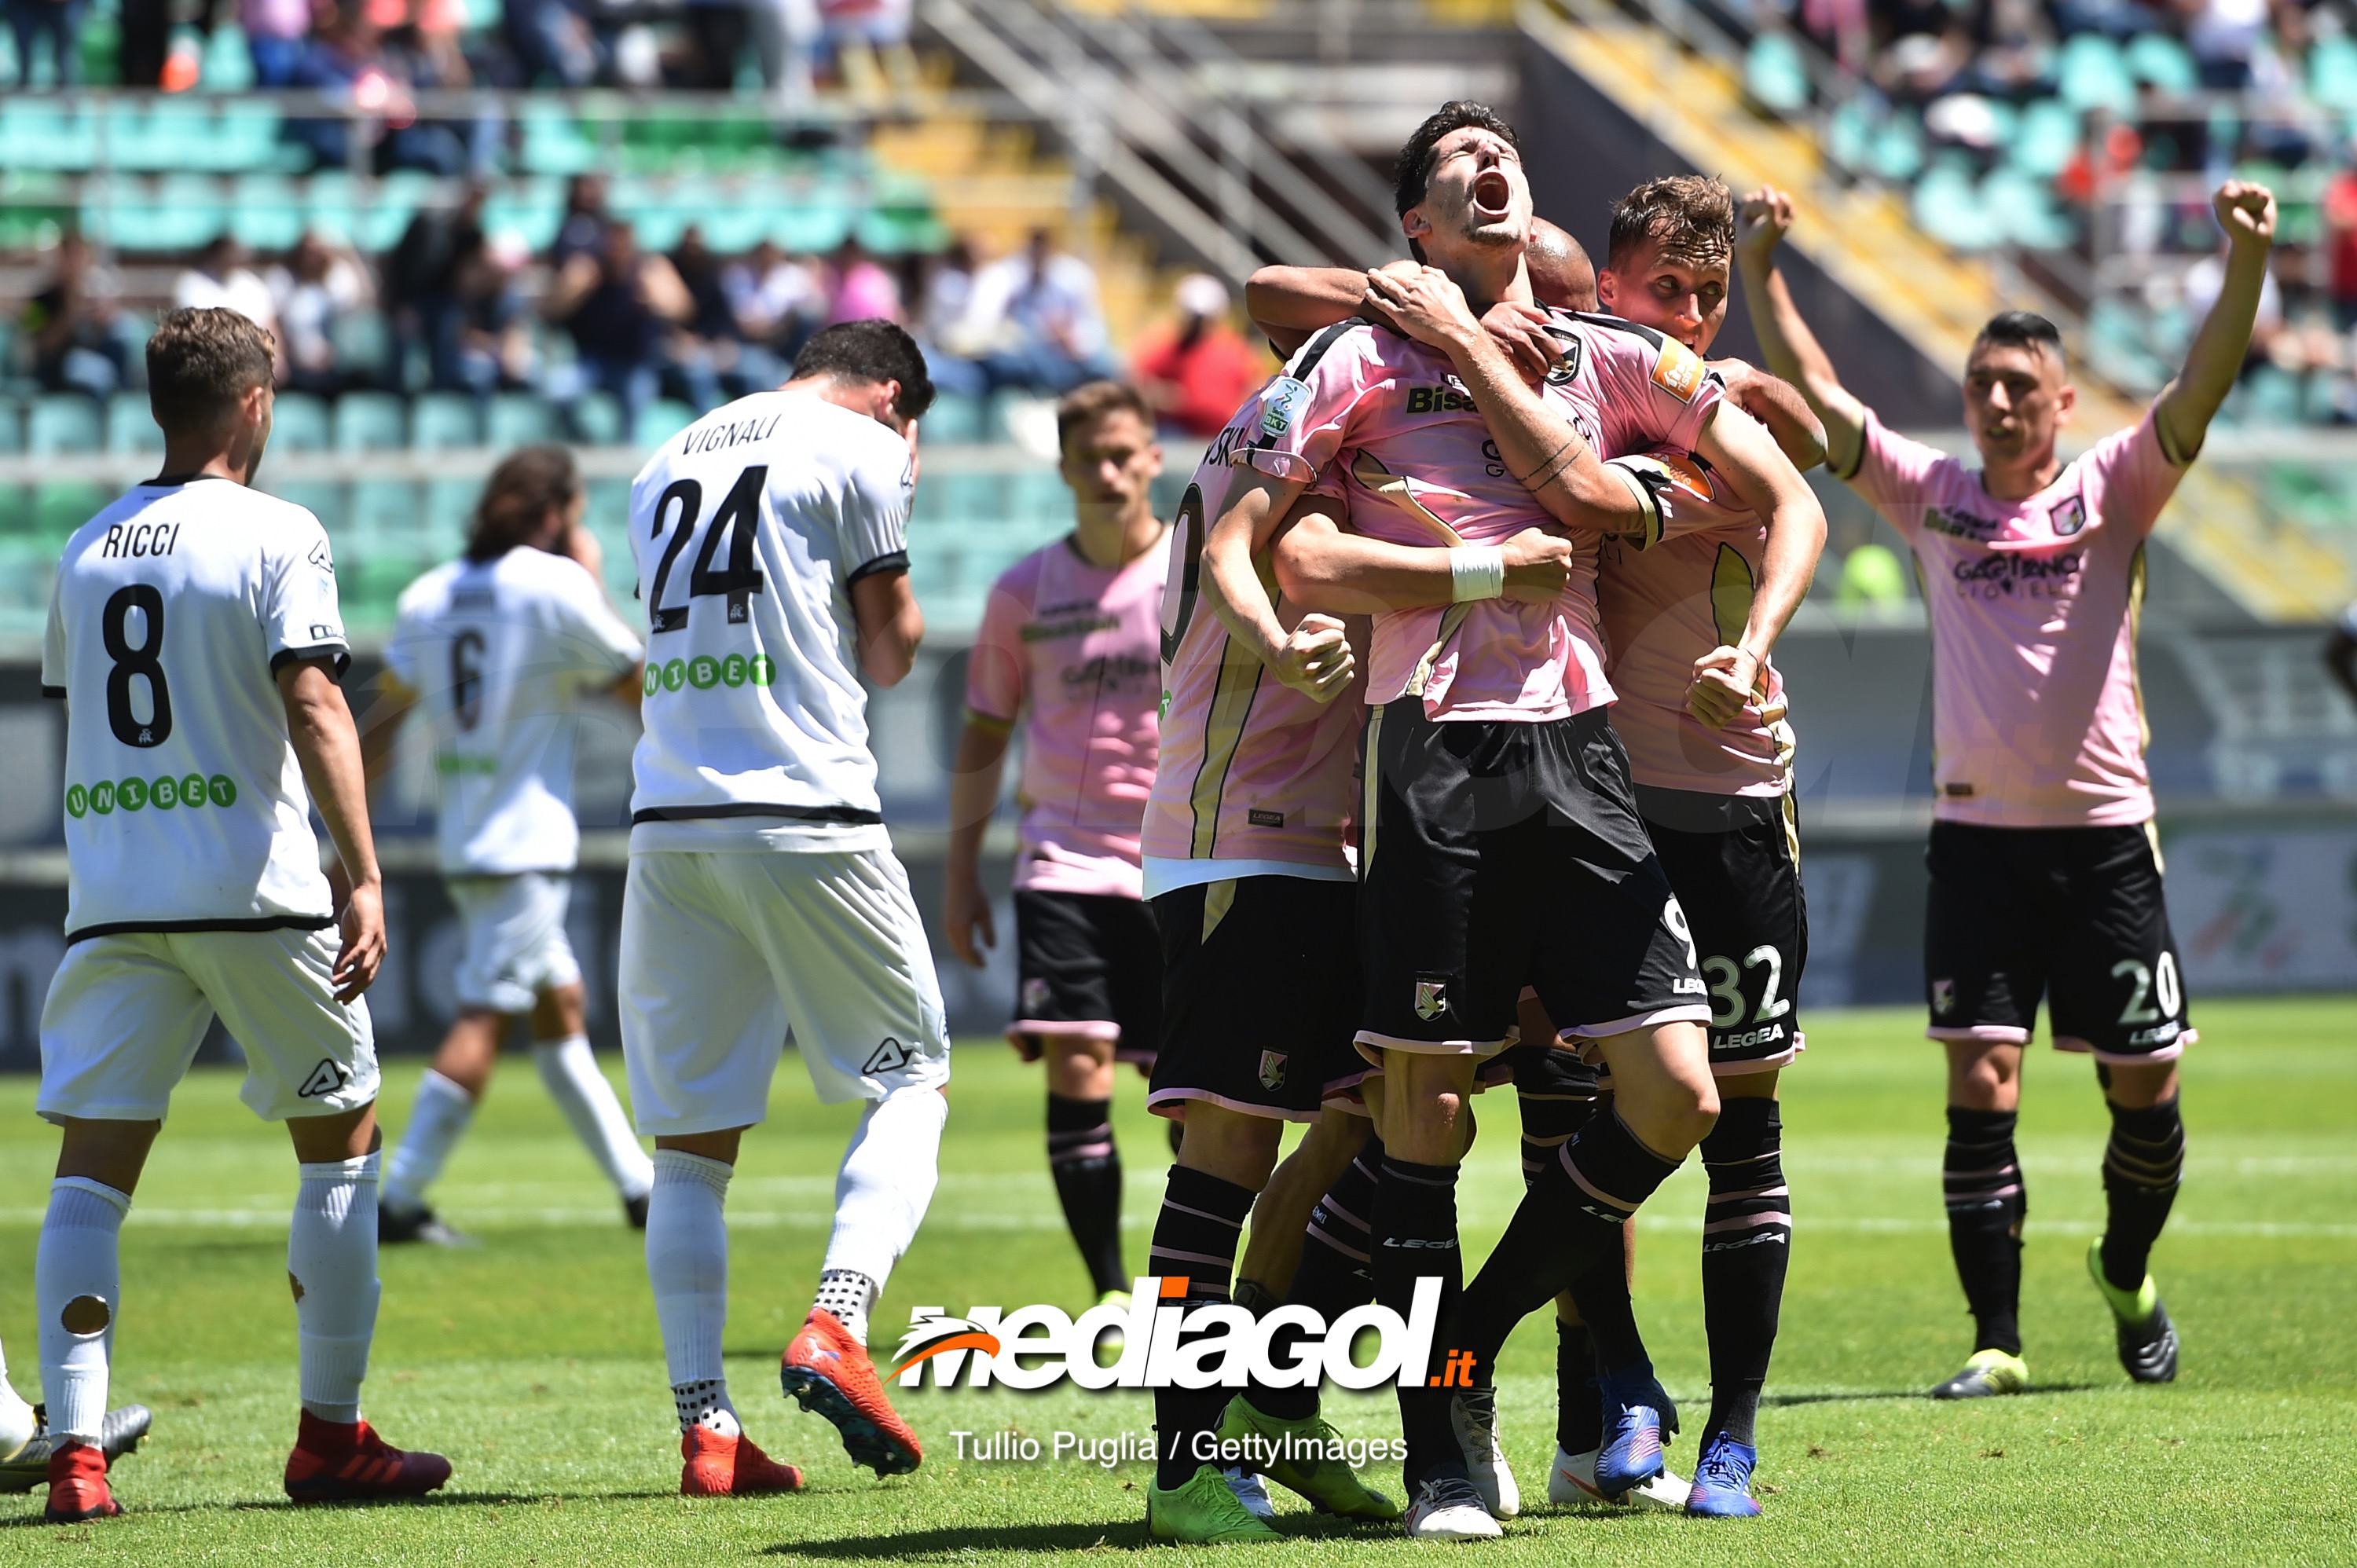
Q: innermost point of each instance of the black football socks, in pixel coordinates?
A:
(1746, 1243)
(1414, 1231)
(1195, 1239)
(1086, 1166)
(1334, 1274)
(1986, 1202)
(2142, 1166)
(1578, 1414)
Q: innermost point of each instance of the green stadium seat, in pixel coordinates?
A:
(597, 419)
(2332, 73)
(61, 425)
(450, 513)
(267, 212)
(329, 205)
(227, 63)
(299, 424)
(1773, 74)
(28, 566)
(130, 428)
(2117, 348)
(2047, 138)
(45, 134)
(2021, 208)
(811, 222)
(368, 422)
(60, 507)
(2270, 396)
(443, 419)
(182, 133)
(363, 342)
(2091, 73)
(519, 419)
(16, 511)
(12, 428)
(1948, 208)
(955, 418)
(1897, 153)
(553, 143)
(1849, 134)
(323, 498)
(659, 421)
(396, 199)
(2163, 62)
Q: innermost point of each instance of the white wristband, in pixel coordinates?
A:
(1476, 572)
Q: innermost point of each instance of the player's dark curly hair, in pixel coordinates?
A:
(1690, 216)
(200, 363)
(1412, 172)
(529, 483)
(875, 352)
(2024, 329)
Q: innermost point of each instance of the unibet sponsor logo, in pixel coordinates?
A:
(703, 672)
(165, 792)
(1226, 1346)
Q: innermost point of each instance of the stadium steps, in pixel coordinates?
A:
(2275, 569)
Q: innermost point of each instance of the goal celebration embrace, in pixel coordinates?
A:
(1372, 887)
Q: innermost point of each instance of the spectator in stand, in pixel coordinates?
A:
(785, 35)
(1197, 373)
(81, 340)
(491, 346)
(864, 289)
(347, 58)
(2340, 237)
(421, 284)
(2223, 35)
(553, 42)
(779, 300)
(709, 351)
(620, 303)
(942, 312)
(1033, 322)
(59, 21)
(319, 286)
(430, 30)
(275, 35)
(219, 276)
(583, 227)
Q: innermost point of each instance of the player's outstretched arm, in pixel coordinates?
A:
(1777, 404)
(2247, 213)
(973, 800)
(1323, 566)
(328, 749)
(1791, 350)
(1315, 657)
(1290, 304)
(890, 625)
(1743, 450)
(1540, 447)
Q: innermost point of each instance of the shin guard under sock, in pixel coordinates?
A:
(1414, 1231)
(1195, 1237)
(2142, 1166)
(1745, 1244)
(1086, 1166)
(1988, 1201)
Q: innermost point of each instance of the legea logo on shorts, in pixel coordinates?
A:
(1039, 1346)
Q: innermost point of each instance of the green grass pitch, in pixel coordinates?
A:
(534, 1363)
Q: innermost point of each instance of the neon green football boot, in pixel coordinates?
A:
(1329, 1484)
(2147, 1339)
(1204, 1512)
(1989, 1372)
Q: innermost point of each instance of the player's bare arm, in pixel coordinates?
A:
(1321, 565)
(320, 725)
(1766, 481)
(2247, 213)
(884, 607)
(1291, 303)
(380, 732)
(1777, 404)
(1540, 447)
(1313, 658)
(1792, 350)
(974, 799)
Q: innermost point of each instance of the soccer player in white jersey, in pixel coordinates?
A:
(498, 648)
(2045, 872)
(1069, 644)
(195, 636)
(772, 549)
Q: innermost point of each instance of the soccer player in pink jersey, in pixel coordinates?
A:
(2045, 876)
(1068, 646)
(1500, 842)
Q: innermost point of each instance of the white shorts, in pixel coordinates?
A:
(722, 953)
(127, 1013)
(516, 947)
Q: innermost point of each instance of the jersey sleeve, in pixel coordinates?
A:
(2137, 475)
(877, 489)
(1305, 421)
(300, 615)
(1896, 476)
(599, 640)
(1657, 391)
(996, 671)
(53, 642)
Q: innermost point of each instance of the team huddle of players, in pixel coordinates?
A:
(1324, 814)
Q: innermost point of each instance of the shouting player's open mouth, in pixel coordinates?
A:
(1493, 196)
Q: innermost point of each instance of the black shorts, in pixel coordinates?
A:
(1734, 862)
(2071, 914)
(1500, 855)
(1087, 964)
(1260, 993)
(1540, 1069)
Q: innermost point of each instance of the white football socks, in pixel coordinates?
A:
(437, 1123)
(880, 1196)
(687, 1262)
(331, 1267)
(17, 1421)
(569, 1069)
(77, 1286)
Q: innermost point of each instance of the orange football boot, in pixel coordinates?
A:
(721, 1466)
(77, 1489)
(336, 1463)
(829, 1372)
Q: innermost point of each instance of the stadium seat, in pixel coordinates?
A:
(61, 425)
(12, 428)
(449, 514)
(45, 134)
(2091, 74)
(265, 212)
(2332, 73)
(299, 424)
(659, 421)
(227, 63)
(130, 428)
(442, 419)
(60, 507)
(329, 205)
(1849, 136)
(2021, 207)
(955, 418)
(363, 342)
(1773, 74)
(1948, 207)
(553, 143)
(1897, 154)
(323, 498)
(2048, 135)
(16, 511)
(2116, 349)
(2163, 63)
(597, 419)
(519, 419)
(368, 422)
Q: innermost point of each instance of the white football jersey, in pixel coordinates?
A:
(185, 804)
(749, 528)
(499, 653)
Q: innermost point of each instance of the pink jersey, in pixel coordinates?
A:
(1073, 644)
(1669, 601)
(1389, 419)
(1252, 769)
(2037, 721)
